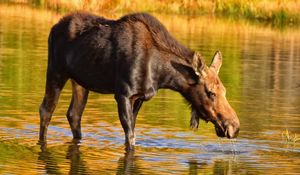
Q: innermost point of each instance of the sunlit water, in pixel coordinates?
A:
(261, 71)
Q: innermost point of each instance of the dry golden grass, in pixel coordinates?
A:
(290, 137)
(260, 9)
(278, 12)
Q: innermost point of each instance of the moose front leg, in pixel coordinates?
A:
(126, 117)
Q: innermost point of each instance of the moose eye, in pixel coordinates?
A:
(211, 95)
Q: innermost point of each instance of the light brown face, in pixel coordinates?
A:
(209, 100)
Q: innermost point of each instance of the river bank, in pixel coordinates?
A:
(277, 12)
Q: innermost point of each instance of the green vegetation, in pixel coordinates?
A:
(290, 137)
(279, 12)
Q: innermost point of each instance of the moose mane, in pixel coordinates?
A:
(79, 22)
(160, 35)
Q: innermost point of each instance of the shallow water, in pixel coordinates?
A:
(261, 72)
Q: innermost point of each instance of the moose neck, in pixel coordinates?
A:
(170, 77)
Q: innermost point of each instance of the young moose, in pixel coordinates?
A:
(131, 58)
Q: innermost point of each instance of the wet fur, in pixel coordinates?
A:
(194, 122)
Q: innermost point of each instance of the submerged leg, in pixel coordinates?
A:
(53, 89)
(136, 107)
(137, 104)
(127, 120)
(78, 102)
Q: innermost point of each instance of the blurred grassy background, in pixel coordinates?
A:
(275, 11)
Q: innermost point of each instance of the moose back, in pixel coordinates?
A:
(132, 57)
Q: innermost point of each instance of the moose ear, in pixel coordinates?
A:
(198, 64)
(216, 62)
(187, 72)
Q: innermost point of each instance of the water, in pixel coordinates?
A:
(260, 70)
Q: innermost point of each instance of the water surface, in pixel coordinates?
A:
(261, 71)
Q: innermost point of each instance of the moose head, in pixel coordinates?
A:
(207, 96)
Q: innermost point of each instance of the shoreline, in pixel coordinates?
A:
(279, 13)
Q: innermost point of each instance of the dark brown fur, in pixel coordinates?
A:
(132, 58)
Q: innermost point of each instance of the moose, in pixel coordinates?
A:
(132, 57)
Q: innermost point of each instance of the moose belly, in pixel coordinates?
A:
(94, 76)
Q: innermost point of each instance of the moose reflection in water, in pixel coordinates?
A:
(48, 159)
(132, 58)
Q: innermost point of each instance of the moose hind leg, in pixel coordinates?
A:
(78, 102)
(53, 89)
